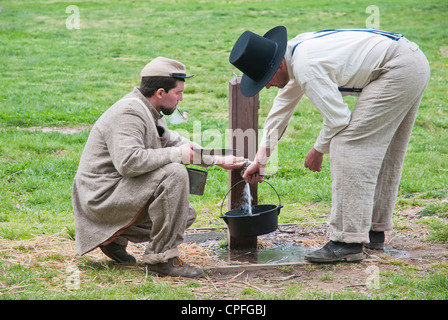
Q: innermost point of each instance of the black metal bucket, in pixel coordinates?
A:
(264, 218)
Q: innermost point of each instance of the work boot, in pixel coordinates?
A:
(376, 240)
(117, 253)
(175, 267)
(336, 251)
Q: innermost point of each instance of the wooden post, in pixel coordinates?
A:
(243, 125)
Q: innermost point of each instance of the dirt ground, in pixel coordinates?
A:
(407, 246)
(65, 130)
(226, 280)
(330, 278)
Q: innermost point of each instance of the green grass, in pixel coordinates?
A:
(106, 284)
(53, 76)
(36, 175)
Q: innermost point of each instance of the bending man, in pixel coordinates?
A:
(367, 147)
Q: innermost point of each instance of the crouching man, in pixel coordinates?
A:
(131, 184)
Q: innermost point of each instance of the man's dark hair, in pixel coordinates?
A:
(149, 85)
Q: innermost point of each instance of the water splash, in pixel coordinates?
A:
(246, 202)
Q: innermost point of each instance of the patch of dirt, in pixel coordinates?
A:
(404, 247)
(64, 130)
(444, 51)
(225, 281)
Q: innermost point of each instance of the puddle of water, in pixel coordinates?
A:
(396, 253)
(275, 254)
(284, 251)
(206, 238)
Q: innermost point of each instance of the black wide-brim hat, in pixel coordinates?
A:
(258, 58)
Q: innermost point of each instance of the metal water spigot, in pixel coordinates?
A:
(246, 163)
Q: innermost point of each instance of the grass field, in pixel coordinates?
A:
(52, 75)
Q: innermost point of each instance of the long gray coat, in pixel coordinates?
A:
(116, 174)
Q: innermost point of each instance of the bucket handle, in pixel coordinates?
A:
(279, 202)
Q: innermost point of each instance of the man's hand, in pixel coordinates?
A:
(313, 160)
(191, 157)
(254, 173)
(229, 162)
(187, 152)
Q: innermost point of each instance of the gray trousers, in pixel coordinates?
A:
(168, 214)
(367, 156)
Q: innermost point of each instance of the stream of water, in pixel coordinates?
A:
(246, 200)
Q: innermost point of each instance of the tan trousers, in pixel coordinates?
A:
(168, 215)
(367, 156)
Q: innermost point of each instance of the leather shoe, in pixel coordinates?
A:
(175, 267)
(336, 251)
(376, 240)
(117, 253)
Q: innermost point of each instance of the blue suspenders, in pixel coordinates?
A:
(323, 33)
(390, 35)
